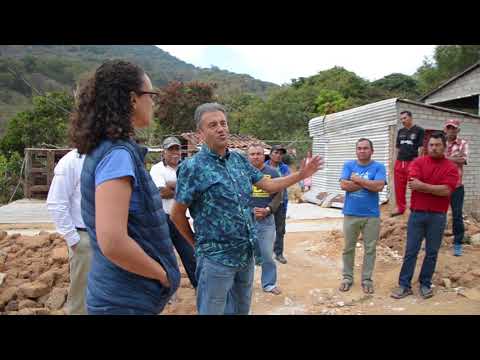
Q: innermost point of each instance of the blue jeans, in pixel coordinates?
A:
(223, 290)
(428, 225)
(265, 240)
(456, 202)
(185, 251)
(113, 310)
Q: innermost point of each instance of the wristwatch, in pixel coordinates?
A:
(269, 209)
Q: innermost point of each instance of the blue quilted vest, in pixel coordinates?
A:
(108, 284)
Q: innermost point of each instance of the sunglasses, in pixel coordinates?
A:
(451, 127)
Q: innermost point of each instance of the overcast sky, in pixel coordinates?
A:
(281, 63)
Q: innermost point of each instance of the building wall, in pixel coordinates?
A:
(335, 136)
(464, 86)
(434, 119)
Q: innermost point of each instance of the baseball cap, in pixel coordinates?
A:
(171, 141)
(278, 147)
(453, 122)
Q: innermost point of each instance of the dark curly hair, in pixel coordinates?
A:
(103, 109)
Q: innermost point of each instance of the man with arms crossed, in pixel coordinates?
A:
(362, 179)
(164, 175)
(432, 179)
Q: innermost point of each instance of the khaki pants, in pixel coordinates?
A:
(370, 228)
(79, 261)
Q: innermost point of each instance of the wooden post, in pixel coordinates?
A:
(50, 166)
(28, 172)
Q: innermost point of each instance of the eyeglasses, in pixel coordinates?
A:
(150, 93)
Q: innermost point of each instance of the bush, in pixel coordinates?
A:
(10, 169)
(46, 123)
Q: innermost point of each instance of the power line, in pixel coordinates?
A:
(38, 92)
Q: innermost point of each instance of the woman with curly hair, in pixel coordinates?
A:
(134, 269)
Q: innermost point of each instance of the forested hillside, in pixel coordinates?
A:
(57, 68)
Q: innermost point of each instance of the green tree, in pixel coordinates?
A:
(347, 83)
(235, 106)
(398, 85)
(447, 61)
(30, 62)
(452, 59)
(176, 106)
(10, 168)
(330, 101)
(46, 123)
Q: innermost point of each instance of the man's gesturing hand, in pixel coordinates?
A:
(312, 167)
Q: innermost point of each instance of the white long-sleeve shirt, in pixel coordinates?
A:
(63, 201)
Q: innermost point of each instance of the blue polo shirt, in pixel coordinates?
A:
(217, 192)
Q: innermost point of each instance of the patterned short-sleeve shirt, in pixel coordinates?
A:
(217, 192)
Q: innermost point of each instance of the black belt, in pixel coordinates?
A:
(427, 211)
(81, 229)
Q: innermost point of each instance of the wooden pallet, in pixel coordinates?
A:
(39, 170)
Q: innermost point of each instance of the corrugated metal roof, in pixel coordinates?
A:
(234, 141)
(349, 118)
(440, 108)
(452, 79)
(335, 136)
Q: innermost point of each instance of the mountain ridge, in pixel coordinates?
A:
(57, 68)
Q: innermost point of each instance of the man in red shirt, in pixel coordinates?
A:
(432, 179)
(457, 151)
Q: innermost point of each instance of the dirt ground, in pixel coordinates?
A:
(310, 280)
(34, 277)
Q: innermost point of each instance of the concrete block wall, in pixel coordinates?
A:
(465, 86)
(470, 129)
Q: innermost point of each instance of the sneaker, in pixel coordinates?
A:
(426, 292)
(457, 249)
(281, 259)
(401, 292)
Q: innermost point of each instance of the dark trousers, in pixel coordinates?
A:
(280, 217)
(456, 202)
(428, 225)
(185, 251)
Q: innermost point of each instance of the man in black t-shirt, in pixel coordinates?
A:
(409, 145)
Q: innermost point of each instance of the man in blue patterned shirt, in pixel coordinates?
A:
(215, 185)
